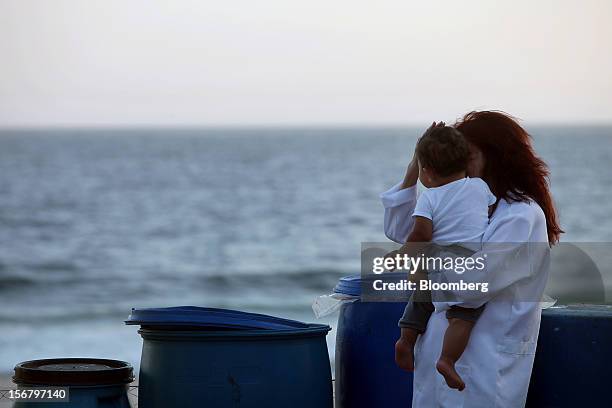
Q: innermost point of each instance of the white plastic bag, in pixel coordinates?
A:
(327, 304)
(547, 301)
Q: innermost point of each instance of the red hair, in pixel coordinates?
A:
(512, 170)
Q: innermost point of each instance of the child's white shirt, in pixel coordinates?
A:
(459, 211)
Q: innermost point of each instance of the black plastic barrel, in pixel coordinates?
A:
(91, 383)
(573, 358)
(366, 373)
(202, 357)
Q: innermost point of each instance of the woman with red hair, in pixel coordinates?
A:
(496, 365)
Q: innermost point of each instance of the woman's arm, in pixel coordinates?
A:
(515, 249)
(399, 202)
(412, 174)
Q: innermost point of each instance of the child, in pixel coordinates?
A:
(453, 214)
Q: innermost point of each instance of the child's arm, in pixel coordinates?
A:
(422, 230)
(417, 240)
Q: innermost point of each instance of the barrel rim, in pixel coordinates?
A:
(30, 373)
(313, 330)
(209, 317)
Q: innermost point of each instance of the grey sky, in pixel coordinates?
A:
(116, 62)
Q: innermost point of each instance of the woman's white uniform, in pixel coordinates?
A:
(496, 366)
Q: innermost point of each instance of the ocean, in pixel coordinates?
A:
(95, 222)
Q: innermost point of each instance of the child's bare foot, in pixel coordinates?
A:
(447, 369)
(404, 355)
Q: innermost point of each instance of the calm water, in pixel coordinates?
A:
(93, 223)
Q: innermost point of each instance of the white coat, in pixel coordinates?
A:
(496, 365)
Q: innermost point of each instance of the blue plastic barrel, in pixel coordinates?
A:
(91, 383)
(573, 358)
(202, 357)
(366, 374)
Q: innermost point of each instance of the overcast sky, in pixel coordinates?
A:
(241, 62)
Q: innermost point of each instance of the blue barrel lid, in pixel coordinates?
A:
(351, 285)
(209, 318)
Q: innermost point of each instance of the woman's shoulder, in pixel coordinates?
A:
(525, 209)
(526, 217)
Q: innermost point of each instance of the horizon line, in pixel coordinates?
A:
(296, 125)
